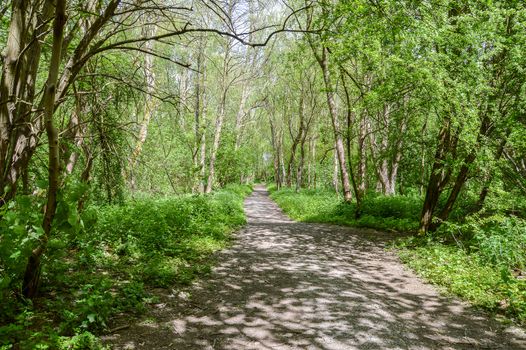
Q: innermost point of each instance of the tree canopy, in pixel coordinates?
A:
(109, 102)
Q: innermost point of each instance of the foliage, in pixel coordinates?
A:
(426, 99)
(165, 241)
(498, 240)
(399, 213)
(468, 275)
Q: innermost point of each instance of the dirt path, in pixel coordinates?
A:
(288, 285)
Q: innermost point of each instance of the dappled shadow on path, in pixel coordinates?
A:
(287, 285)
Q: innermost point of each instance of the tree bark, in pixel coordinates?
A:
(439, 176)
(462, 175)
(275, 148)
(32, 273)
(335, 172)
(487, 181)
(18, 134)
(24, 127)
(296, 140)
(340, 150)
(149, 103)
(220, 117)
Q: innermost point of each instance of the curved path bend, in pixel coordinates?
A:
(290, 285)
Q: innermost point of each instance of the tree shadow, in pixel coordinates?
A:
(288, 285)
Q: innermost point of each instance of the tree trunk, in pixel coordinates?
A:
(32, 273)
(202, 164)
(219, 120)
(85, 177)
(247, 69)
(335, 172)
(199, 153)
(362, 160)
(275, 148)
(397, 157)
(487, 181)
(240, 115)
(18, 136)
(149, 104)
(215, 144)
(462, 175)
(301, 164)
(295, 142)
(455, 191)
(340, 150)
(350, 120)
(438, 177)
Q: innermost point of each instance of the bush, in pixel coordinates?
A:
(498, 240)
(134, 246)
(399, 213)
(467, 275)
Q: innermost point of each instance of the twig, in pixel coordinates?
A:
(120, 328)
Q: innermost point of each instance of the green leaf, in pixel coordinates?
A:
(42, 184)
(92, 317)
(15, 255)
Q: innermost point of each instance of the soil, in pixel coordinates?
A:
(290, 285)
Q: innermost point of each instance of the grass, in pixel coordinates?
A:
(468, 276)
(110, 265)
(398, 213)
(481, 259)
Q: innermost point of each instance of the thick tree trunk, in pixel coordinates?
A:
(462, 175)
(438, 178)
(32, 273)
(9, 83)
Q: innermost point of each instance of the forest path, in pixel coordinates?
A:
(290, 285)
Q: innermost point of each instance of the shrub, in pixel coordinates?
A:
(135, 245)
(398, 213)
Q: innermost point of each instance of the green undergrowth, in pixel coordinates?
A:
(398, 213)
(482, 258)
(110, 265)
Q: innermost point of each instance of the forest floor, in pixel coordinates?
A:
(290, 285)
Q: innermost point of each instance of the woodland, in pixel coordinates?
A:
(131, 131)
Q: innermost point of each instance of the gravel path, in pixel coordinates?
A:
(289, 285)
